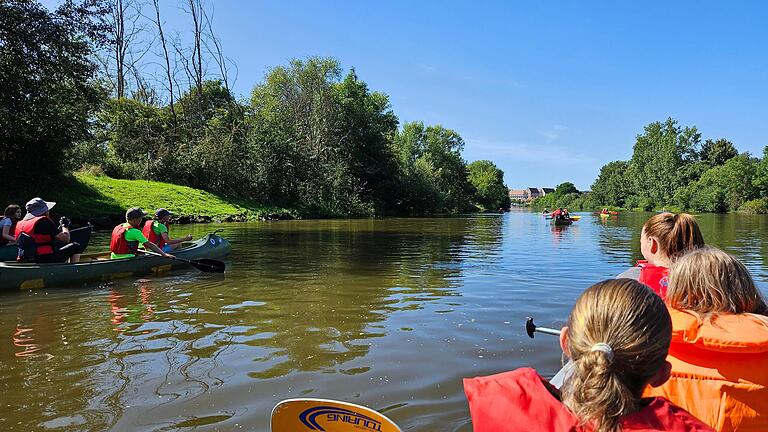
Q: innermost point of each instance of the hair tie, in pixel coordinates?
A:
(604, 347)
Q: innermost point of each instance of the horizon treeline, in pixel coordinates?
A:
(104, 86)
(673, 168)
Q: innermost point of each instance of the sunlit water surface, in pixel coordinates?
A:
(387, 313)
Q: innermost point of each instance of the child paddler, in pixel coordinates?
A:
(719, 351)
(618, 336)
(127, 237)
(156, 230)
(663, 239)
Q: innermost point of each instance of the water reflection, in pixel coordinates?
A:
(387, 313)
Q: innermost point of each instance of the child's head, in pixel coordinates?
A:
(665, 236)
(709, 281)
(618, 336)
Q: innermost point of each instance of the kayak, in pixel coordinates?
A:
(559, 222)
(81, 235)
(98, 267)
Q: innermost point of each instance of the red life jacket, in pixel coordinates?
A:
(151, 235)
(42, 241)
(119, 245)
(521, 400)
(11, 232)
(656, 277)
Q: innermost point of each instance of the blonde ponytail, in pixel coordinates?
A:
(676, 233)
(618, 337)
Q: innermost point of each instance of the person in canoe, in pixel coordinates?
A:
(618, 337)
(127, 237)
(546, 211)
(664, 238)
(40, 240)
(719, 351)
(605, 211)
(11, 217)
(156, 231)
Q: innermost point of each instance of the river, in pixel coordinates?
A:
(387, 313)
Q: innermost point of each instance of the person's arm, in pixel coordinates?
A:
(63, 236)
(7, 234)
(171, 241)
(156, 249)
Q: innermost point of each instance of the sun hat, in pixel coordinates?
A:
(38, 207)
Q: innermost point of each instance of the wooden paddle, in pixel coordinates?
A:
(300, 415)
(202, 264)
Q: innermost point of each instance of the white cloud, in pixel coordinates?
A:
(553, 133)
(550, 154)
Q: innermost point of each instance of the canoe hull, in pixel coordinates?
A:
(25, 276)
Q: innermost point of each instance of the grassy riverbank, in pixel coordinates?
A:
(103, 200)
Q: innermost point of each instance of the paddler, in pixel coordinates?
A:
(156, 231)
(664, 237)
(127, 237)
(618, 337)
(719, 350)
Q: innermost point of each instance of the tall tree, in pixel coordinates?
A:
(610, 187)
(47, 89)
(717, 152)
(659, 159)
(488, 181)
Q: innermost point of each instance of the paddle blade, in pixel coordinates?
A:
(208, 265)
(304, 415)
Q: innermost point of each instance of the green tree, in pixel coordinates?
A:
(48, 92)
(717, 152)
(566, 188)
(724, 187)
(430, 161)
(659, 160)
(760, 182)
(610, 188)
(488, 181)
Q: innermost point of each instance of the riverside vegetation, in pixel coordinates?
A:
(76, 95)
(671, 168)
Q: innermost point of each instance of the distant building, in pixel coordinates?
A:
(528, 194)
(518, 194)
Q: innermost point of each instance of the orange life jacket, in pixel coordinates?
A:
(43, 242)
(118, 244)
(151, 235)
(521, 400)
(656, 277)
(719, 369)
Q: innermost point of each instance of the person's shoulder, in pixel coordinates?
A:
(5, 221)
(662, 415)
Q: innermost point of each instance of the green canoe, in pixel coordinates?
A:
(98, 267)
(81, 235)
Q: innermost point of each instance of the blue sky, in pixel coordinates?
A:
(550, 91)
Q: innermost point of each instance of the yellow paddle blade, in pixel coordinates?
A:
(303, 415)
(575, 217)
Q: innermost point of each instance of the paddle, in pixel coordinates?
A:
(203, 264)
(530, 327)
(299, 415)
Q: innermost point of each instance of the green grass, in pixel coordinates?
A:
(92, 197)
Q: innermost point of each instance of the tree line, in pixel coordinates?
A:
(105, 86)
(673, 168)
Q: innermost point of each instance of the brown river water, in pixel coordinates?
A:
(387, 313)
